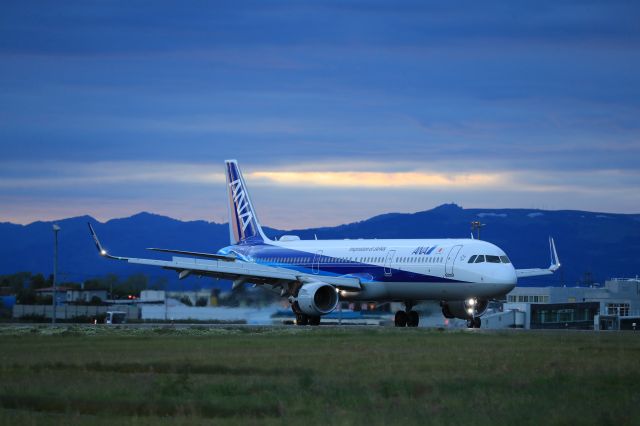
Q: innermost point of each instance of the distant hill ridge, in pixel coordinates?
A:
(603, 244)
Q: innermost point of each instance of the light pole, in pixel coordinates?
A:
(475, 226)
(56, 229)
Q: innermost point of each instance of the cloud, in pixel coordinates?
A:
(170, 187)
(378, 179)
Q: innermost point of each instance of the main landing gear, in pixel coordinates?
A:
(474, 322)
(302, 319)
(407, 318)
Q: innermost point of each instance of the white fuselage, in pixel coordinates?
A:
(436, 269)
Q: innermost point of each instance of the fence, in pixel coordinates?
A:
(68, 312)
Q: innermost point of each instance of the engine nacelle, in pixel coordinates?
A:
(316, 298)
(464, 309)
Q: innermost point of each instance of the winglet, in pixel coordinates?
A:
(101, 249)
(555, 261)
(555, 264)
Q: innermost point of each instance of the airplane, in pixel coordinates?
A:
(463, 275)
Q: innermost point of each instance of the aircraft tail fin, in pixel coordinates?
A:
(243, 222)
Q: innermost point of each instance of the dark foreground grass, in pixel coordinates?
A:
(316, 375)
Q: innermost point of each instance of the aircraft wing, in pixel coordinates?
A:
(197, 254)
(229, 268)
(534, 272)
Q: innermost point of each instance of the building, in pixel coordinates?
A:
(61, 293)
(616, 305)
(85, 296)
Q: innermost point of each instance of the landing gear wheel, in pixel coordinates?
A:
(401, 319)
(302, 319)
(413, 319)
(314, 320)
(477, 322)
(470, 323)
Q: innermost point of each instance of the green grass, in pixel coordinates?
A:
(244, 375)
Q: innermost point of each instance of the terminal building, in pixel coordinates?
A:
(614, 306)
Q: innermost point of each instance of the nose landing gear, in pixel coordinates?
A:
(474, 322)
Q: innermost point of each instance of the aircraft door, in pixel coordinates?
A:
(315, 267)
(387, 263)
(451, 258)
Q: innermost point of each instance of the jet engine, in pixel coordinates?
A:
(316, 298)
(464, 309)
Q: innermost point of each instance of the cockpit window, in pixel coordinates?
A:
(480, 258)
(493, 259)
(505, 259)
(472, 258)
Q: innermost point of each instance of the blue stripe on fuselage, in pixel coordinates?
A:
(327, 265)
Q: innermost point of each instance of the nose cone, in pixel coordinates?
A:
(506, 279)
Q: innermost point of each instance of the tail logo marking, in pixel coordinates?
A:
(242, 205)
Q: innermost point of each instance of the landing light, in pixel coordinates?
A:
(471, 302)
(470, 311)
(103, 252)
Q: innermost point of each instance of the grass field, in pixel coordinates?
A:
(244, 375)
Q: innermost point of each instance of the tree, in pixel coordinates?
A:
(160, 283)
(201, 301)
(38, 281)
(96, 284)
(16, 282)
(133, 285)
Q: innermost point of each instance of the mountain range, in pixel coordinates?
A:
(591, 246)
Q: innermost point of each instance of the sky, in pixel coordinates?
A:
(336, 110)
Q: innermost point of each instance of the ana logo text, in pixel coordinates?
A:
(423, 250)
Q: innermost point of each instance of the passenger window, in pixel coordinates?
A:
(480, 258)
(493, 259)
(473, 258)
